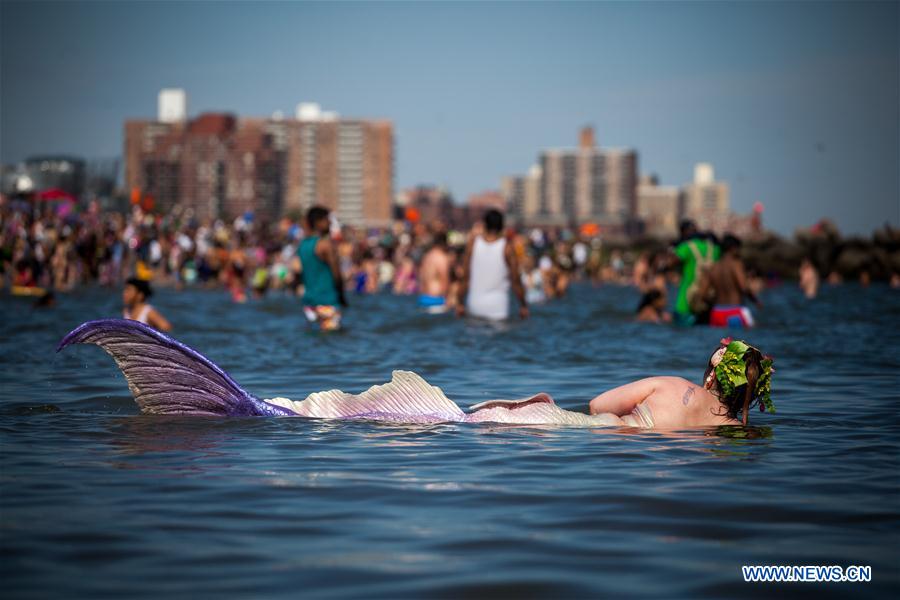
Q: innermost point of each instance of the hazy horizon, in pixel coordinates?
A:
(796, 105)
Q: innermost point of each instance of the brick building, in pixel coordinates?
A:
(220, 166)
(431, 205)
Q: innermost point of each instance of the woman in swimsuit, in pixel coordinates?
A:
(737, 377)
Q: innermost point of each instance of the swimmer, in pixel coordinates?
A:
(434, 276)
(323, 283)
(167, 377)
(652, 308)
(134, 297)
(490, 269)
(47, 300)
(697, 254)
(533, 281)
(809, 279)
(365, 277)
(736, 377)
(727, 281)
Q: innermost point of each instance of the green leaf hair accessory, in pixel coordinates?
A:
(764, 385)
(731, 372)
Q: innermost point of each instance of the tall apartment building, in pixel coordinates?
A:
(522, 194)
(215, 165)
(346, 165)
(706, 201)
(219, 165)
(579, 185)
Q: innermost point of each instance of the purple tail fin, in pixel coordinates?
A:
(166, 376)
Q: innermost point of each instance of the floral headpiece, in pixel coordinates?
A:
(730, 372)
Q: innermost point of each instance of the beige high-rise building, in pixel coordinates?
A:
(522, 194)
(705, 201)
(587, 184)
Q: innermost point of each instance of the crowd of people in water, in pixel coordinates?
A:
(43, 253)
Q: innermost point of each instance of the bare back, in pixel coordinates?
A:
(676, 402)
(728, 280)
(434, 274)
(663, 403)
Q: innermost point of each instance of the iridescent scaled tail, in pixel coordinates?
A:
(167, 377)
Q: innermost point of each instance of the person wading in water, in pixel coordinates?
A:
(323, 283)
(490, 268)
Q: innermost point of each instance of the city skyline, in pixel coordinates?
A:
(220, 165)
(794, 104)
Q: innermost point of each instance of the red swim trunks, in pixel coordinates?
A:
(730, 316)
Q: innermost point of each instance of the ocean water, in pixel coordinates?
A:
(99, 501)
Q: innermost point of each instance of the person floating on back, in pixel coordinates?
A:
(727, 283)
(134, 297)
(323, 284)
(490, 269)
(738, 377)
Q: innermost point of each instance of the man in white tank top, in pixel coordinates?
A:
(490, 268)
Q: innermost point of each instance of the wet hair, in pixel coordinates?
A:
(493, 221)
(649, 299)
(140, 285)
(730, 242)
(45, 301)
(316, 214)
(440, 239)
(743, 397)
(687, 228)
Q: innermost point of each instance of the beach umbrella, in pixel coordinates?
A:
(51, 194)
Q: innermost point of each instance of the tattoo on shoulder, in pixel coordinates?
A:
(686, 397)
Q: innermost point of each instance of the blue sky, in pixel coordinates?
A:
(797, 104)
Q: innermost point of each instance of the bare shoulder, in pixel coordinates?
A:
(667, 382)
(676, 389)
(510, 253)
(324, 247)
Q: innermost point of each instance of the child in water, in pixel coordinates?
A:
(652, 308)
(737, 376)
(134, 297)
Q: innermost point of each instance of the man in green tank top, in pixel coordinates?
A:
(323, 284)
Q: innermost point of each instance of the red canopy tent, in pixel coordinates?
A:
(55, 194)
(66, 201)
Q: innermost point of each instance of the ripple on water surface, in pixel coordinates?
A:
(99, 501)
